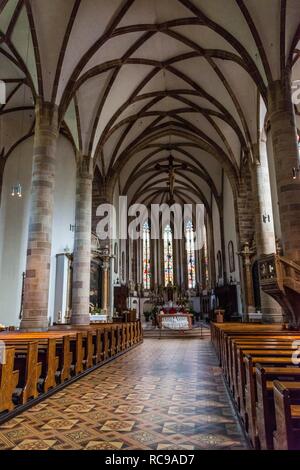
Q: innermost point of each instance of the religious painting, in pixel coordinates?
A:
(116, 258)
(220, 264)
(231, 257)
(123, 266)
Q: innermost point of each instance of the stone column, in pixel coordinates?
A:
(36, 288)
(264, 223)
(82, 248)
(105, 285)
(284, 138)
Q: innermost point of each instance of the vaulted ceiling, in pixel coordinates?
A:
(136, 80)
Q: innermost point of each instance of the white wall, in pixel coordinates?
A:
(116, 275)
(14, 232)
(14, 218)
(64, 210)
(230, 234)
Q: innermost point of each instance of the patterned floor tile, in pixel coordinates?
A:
(163, 395)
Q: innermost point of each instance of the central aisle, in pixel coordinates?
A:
(165, 394)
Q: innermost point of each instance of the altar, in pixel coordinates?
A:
(175, 321)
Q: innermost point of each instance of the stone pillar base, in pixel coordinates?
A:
(80, 320)
(29, 325)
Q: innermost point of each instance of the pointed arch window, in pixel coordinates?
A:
(190, 254)
(146, 257)
(168, 256)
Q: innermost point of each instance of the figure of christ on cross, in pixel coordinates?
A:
(170, 168)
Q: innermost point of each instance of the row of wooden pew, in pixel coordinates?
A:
(263, 375)
(35, 363)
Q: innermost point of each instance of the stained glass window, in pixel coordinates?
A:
(190, 254)
(168, 255)
(146, 256)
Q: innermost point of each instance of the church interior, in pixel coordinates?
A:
(110, 110)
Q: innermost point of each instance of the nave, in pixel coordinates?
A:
(161, 395)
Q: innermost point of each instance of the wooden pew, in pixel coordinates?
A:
(284, 365)
(42, 360)
(89, 351)
(287, 413)
(106, 347)
(8, 380)
(237, 373)
(240, 348)
(99, 346)
(123, 336)
(265, 408)
(78, 355)
(50, 364)
(228, 356)
(66, 359)
(113, 344)
(30, 371)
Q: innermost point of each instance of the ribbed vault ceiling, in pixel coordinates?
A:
(137, 79)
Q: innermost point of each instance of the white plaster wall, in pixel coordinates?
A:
(116, 275)
(64, 210)
(230, 234)
(14, 219)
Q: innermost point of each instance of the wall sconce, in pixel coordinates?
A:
(16, 190)
(295, 172)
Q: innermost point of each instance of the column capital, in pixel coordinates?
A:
(84, 166)
(256, 155)
(279, 97)
(46, 115)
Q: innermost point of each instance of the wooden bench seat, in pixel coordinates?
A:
(37, 362)
(240, 348)
(250, 394)
(265, 408)
(287, 417)
(9, 378)
(235, 371)
(30, 370)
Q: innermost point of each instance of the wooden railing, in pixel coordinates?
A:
(280, 278)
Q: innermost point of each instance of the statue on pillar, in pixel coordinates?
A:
(247, 253)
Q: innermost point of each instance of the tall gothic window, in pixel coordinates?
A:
(190, 254)
(168, 256)
(205, 258)
(146, 256)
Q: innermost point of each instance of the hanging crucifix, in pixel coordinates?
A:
(170, 168)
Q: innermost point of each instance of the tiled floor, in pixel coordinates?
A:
(165, 394)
